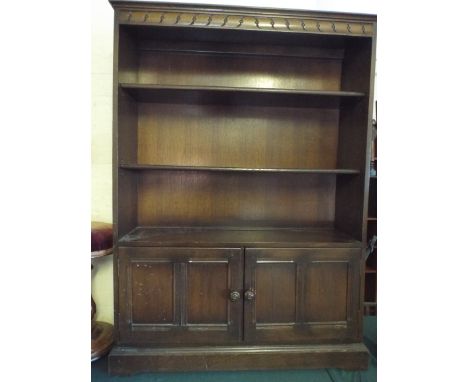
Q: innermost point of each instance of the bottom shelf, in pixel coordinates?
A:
(238, 236)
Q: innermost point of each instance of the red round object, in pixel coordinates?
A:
(101, 239)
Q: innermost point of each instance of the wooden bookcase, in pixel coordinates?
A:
(241, 151)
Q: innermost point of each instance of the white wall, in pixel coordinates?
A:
(101, 146)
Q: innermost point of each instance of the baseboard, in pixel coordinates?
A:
(129, 360)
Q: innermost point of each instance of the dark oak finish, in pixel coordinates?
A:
(239, 72)
(128, 360)
(180, 296)
(237, 136)
(194, 198)
(237, 169)
(245, 96)
(242, 236)
(315, 301)
(226, 48)
(241, 156)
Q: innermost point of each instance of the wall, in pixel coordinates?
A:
(101, 75)
(101, 146)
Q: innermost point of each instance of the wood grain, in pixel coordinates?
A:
(326, 285)
(239, 236)
(255, 72)
(147, 42)
(240, 96)
(354, 140)
(258, 137)
(128, 360)
(244, 19)
(302, 295)
(336, 171)
(193, 198)
(179, 296)
(275, 301)
(207, 292)
(152, 292)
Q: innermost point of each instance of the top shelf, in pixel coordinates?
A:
(239, 95)
(153, 43)
(134, 166)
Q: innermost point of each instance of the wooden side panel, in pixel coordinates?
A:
(197, 198)
(179, 296)
(126, 129)
(354, 137)
(126, 201)
(302, 295)
(128, 55)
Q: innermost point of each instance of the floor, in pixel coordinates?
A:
(99, 370)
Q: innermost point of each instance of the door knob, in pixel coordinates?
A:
(249, 294)
(234, 295)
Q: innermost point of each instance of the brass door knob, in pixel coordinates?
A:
(249, 294)
(234, 295)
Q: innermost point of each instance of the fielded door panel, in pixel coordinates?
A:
(180, 295)
(301, 295)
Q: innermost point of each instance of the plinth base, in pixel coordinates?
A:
(128, 360)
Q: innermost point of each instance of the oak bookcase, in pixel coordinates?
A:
(241, 152)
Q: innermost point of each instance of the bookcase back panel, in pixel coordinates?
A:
(230, 58)
(258, 40)
(241, 136)
(218, 70)
(196, 198)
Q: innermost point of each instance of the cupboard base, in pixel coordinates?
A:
(128, 360)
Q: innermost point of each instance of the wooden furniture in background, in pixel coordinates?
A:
(241, 151)
(101, 332)
(370, 293)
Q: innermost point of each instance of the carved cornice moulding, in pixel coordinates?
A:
(336, 24)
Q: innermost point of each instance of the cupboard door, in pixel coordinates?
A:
(180, 295)
(301, 295)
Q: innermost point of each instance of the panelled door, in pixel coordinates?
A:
(180, 295)
(301, 295)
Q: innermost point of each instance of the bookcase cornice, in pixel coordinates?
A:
(236, 18)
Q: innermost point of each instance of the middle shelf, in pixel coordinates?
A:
(224, 95)
(133, 166)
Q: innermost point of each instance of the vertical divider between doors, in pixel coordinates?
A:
(249, 282)
(242, 269)
(183, 293)
(176, 296)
